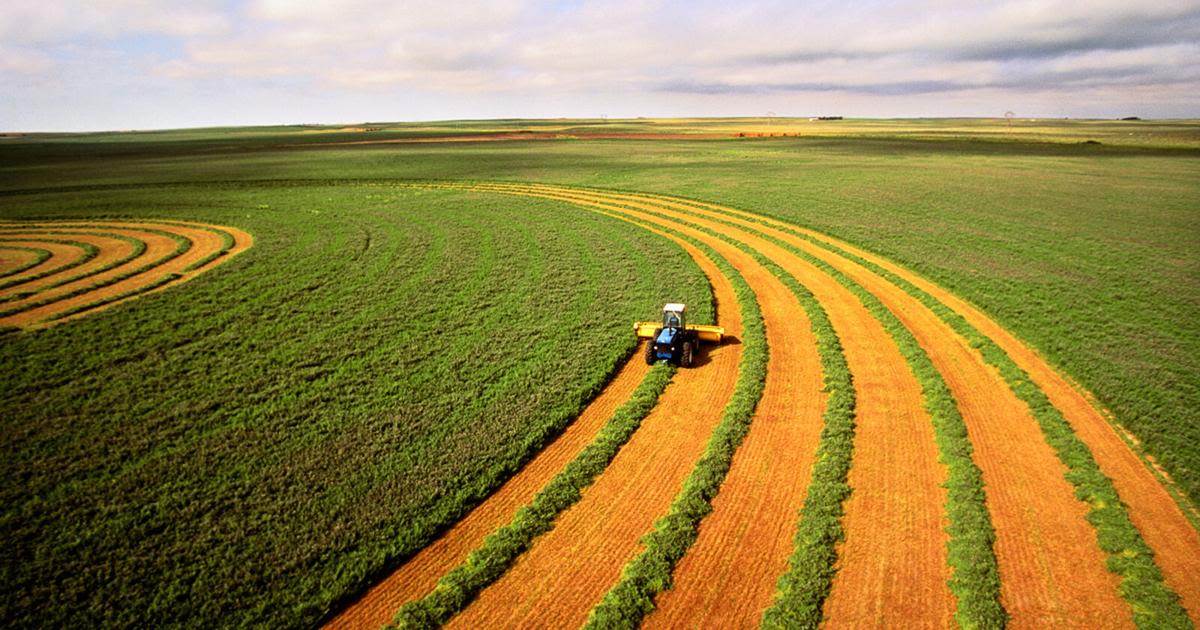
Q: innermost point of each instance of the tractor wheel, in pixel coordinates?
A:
(650, 352)
(685, 357)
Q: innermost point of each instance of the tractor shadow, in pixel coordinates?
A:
(702, 358)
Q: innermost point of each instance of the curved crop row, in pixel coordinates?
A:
(499, 550)
(650, 571)
(1154, 603)
(39, 256)
(55, 294)
(975, 579)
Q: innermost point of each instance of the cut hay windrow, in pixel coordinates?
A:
(136, 249)
(37, 257)
(87, 253)
(54, 294)
(499, 550)
(976, 579)
(1155, 605)
(1153, 602)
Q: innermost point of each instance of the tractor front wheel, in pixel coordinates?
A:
(650, 352)
(686, 358)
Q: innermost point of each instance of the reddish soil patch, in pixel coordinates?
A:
(417, 577)
(570, 568)
(61, 255)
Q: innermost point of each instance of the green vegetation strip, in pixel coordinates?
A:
(139, 248)
(497, 553)
(40, 256)
(1154, 604)
(89, 252)
(182, 246)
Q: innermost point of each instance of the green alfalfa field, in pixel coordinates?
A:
(259, 445)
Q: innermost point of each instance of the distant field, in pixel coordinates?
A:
(278, 433)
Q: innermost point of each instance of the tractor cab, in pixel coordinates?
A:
(673, 316)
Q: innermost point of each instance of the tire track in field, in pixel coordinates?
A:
(1052, 569)
(894, 566)
(170, 252)
(417, 577)
(568, 569)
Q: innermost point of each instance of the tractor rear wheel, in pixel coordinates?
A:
(650, 352)
(686, 357)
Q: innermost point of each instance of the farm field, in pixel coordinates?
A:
(962, 369)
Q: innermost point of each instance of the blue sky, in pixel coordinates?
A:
(151, 64)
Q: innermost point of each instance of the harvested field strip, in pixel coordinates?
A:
(126, 260)
(117, 250)
(1154, 603)
(161, 247)
(1156, 516)
(18, 259)
(727, 578)
(569, 568)
(64, 255)
(922, 588)
(1167, 527)
(649, 572)
(417, 577)
(975, 582)
(1069, 571)
(497, 553)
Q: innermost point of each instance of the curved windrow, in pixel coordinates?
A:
(66, 269)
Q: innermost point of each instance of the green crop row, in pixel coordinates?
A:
(39, 256)
(500, 549)
(182, 245)
(1154, 604)
(649, 572)
(89, 252)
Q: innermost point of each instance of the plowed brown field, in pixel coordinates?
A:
(892, 567)
(172, 252)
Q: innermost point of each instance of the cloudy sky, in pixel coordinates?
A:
(147, 64)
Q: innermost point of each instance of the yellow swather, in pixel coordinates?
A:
(645, 330)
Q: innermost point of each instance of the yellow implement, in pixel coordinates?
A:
(711, 334)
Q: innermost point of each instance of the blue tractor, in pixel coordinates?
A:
(674, 340)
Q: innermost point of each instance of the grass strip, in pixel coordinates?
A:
(500, 549)
(40, 256)
(1154, 604)
(649, 572)
(89, 252)
(182, 246)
